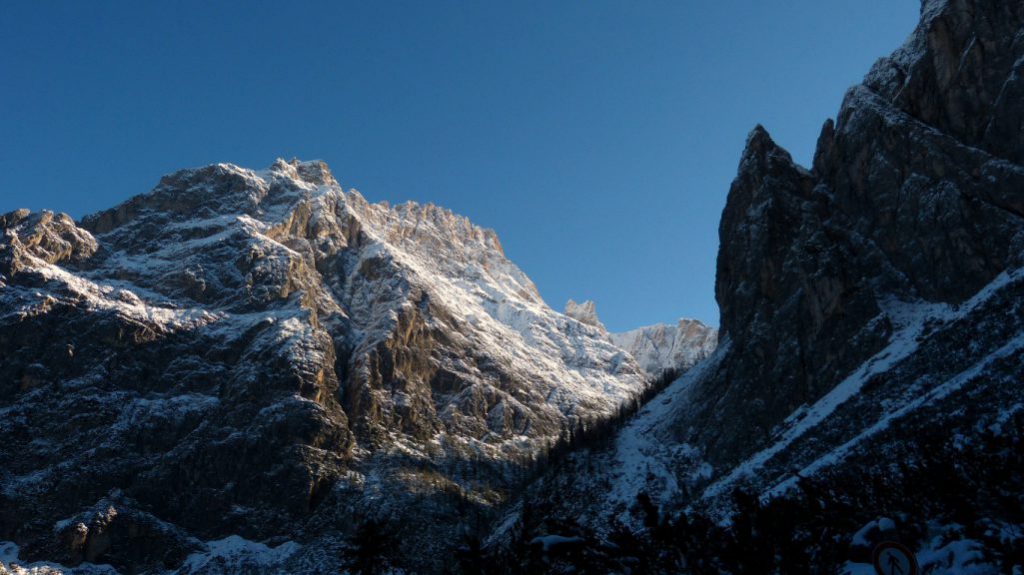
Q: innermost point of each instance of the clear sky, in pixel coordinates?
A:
(598, 138)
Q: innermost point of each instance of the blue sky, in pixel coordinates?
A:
(598, 138)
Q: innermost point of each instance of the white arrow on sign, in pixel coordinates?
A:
(892, 558)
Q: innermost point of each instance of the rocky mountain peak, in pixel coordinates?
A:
(263, 349)
(762, 156)
(313, 172)
(53, 238)
(585, 312)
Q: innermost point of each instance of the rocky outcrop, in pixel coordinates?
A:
(91, 535)
(53, 238)
(585, 312)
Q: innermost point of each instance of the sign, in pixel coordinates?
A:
(892, 558)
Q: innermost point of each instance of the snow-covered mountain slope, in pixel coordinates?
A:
(661, 347)
(242, 352)
(958, 367)
(939, 359)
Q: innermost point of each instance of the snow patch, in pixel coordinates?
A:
(549, 541)
(10, 563)
(237, 555)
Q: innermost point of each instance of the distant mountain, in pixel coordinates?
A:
(660, 348)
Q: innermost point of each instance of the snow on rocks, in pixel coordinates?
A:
(10, 564)
(914, 322)
(662, 347)
(274, 314)
(235, 554)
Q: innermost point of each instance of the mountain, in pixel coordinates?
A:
(258, 372)
(849, 291)
(871, 350)
(662, 347)
(259, 353)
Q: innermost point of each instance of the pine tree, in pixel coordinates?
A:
(371, 539)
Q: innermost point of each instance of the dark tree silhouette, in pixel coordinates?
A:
(372, 538)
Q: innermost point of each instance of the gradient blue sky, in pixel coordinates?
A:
(598, 138)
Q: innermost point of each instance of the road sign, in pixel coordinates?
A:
(892, 558)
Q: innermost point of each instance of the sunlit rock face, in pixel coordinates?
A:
(247, 352)
(662, 348)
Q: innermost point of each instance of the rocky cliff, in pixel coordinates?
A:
(911, 211)
(913, 204)
(871, 349)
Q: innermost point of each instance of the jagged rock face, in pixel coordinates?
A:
(585, 312)
(665, 348)
(960, 73)
(865, 303)
(51, 238)
(235, 348)
(914, 194)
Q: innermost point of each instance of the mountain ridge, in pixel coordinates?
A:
(332, 379)
(340, 347)
(870, 337)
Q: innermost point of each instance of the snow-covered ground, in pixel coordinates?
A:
(945, 551)
(11, 564)
(228, 556)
